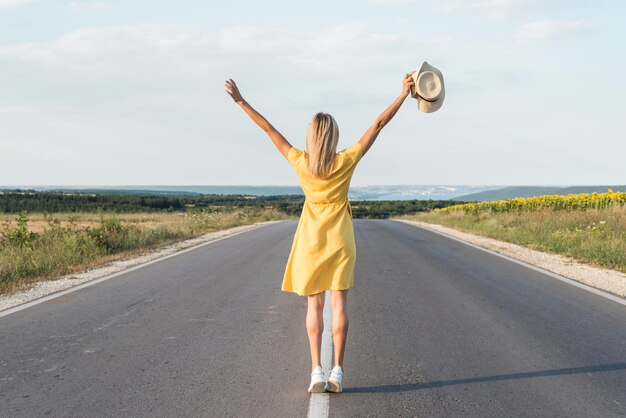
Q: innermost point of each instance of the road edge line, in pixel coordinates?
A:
(573, 282)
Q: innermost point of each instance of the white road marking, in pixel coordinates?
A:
(319, 403)
(591, 289)
(119, 273)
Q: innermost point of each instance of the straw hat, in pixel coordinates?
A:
(428, 90)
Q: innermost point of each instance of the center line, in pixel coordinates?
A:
(319, 403)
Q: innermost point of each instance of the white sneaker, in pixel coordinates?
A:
(334, 380)
(318, 382)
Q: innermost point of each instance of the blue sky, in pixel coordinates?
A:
(127, 93)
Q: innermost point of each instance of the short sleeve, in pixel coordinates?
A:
(353, 153)
(294, 155)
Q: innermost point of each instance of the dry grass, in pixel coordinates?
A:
(49, 246)
(37, 222)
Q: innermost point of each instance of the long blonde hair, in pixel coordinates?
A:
(321, 140)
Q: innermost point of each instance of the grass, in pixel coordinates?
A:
(41, 246)
(593, 236)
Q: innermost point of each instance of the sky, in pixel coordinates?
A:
(132, 92)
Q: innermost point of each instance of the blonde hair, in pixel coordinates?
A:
(321, 140)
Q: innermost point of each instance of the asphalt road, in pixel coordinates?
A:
(437, 329)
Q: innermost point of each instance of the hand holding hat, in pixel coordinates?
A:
(428, 88)
(407, 83)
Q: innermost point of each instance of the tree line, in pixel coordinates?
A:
(52, 202)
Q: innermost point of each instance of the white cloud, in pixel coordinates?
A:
(121, 45)
(11, 4)
(255, 39)
(13, 109)
(118, 47)
(495, 9)
(544, 29)
(502, 8)
(491, 8)
(336, 49)
(118, 71)
(391, 2)
(260, 39)
(89, 7)
(170, 67)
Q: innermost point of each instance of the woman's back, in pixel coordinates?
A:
(333, 188)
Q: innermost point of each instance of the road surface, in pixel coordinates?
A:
(437, 329)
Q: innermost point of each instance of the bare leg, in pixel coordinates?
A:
(339, 305)
(315, 326)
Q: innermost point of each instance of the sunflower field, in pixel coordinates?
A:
(570, 202)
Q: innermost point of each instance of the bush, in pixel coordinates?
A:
(20, 236)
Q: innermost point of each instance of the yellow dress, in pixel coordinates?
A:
(323, 252)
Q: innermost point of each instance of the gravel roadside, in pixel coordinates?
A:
(601, 278)
(46, 287)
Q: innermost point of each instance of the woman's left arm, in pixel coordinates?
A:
(279, 141)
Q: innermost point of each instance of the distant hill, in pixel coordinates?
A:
(96, 190)
(510, 192)
(125, 192)
(370, 192)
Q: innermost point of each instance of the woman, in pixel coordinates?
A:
(323, 252)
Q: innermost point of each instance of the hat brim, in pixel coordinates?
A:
(425, 105)
(429, 107)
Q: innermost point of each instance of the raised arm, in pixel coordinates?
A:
(279, 141)
(370, 135)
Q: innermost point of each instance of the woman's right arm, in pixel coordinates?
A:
(277, 138)
(370, 135)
